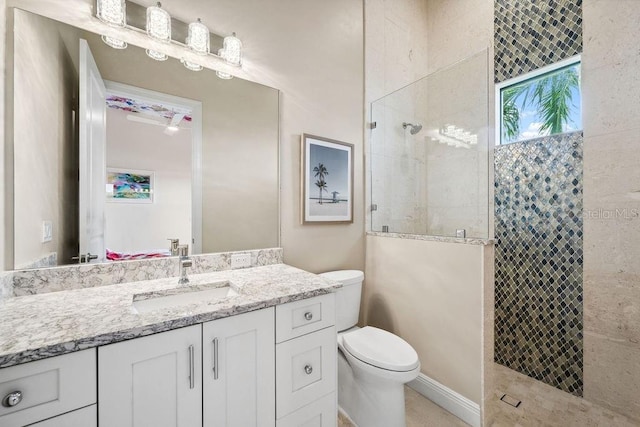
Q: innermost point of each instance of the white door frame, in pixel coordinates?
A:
(127, 91)
(92, 158)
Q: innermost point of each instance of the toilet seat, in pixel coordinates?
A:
(381, 349)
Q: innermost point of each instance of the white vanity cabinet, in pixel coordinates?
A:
(238, 374)
(306, 363)
(152, 381)
(85, 417)
(40, 390)
(220, 373)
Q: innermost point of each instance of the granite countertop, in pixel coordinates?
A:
(39, 326)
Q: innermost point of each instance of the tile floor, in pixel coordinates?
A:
(421, 412)
(543, 405)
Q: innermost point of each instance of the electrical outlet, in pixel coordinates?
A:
(47, 231)
(240, 260)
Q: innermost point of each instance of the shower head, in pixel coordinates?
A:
(414, 128)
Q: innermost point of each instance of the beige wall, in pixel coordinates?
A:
(458, 29)
(430, 293)
(44, 141)
(412, 285)
(5, 242)
(611, 118)
(132, 227)
(318, 69)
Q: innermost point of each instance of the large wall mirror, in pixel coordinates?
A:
(186, 156)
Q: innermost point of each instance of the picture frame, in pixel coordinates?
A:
(327, 181)
(129, 185)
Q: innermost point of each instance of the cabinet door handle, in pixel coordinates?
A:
(308, 369)
(192, 368)
(12, 399)
(308, 315)
(215, 358)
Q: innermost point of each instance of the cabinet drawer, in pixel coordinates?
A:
(305, 370)
(302, 317)
(321, 413)
(49, 387)
(85, 417)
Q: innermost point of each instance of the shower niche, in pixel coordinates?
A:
(429, 155)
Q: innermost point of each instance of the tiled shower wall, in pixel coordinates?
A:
(538, 277)
(538, 210)
(530, 34)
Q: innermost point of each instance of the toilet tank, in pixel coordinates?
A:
(347, 297)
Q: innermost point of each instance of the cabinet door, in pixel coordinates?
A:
(239, 375)
(85, 417)
(152, 381)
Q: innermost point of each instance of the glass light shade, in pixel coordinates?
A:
(191, 65)
(112, 12)
(198, 38)
(158, 23)
(220, 74)
(114, 43)
(224, 76)
(158, 56)
(232, 50)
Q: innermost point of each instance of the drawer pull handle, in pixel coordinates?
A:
(308, 369)
(12, 399)
(308, 315)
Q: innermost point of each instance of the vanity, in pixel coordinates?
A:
(246, 347)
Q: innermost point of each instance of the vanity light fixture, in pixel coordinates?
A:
(158, 28)
(198, 38)
(220, 74)
(198, 41)
(191, 65)
(459, 134)
(232, 50)
(113, 13)
(114, 43)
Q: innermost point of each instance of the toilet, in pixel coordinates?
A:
(373, 364)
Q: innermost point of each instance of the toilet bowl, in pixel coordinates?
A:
(373, 364)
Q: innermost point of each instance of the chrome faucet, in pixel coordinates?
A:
(184, 263)
(174, 246)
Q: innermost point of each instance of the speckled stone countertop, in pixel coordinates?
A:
(35, 327)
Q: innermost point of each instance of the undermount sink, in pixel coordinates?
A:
(183, 295)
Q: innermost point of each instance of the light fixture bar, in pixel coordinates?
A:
(137, 18)
(159, 25)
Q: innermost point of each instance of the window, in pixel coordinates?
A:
(544, 102)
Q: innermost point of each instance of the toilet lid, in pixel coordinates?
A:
(381, 348)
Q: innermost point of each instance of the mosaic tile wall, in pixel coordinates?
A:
(538, 255)
(530, 34)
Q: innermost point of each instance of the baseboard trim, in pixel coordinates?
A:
(463, 408)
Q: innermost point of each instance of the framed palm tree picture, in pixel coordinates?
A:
(327, 180)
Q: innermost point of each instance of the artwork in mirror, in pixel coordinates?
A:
(129, 186)
(212, 145)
